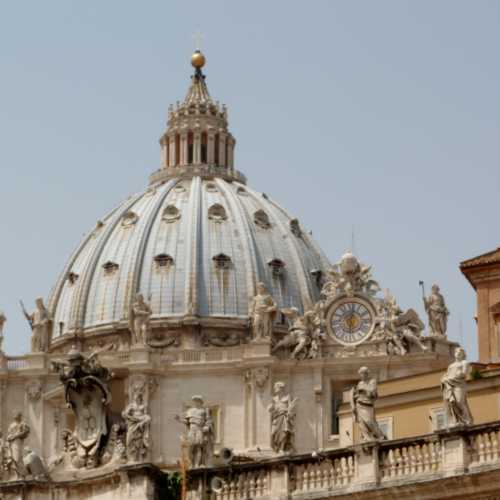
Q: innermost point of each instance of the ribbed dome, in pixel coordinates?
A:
(193, 247)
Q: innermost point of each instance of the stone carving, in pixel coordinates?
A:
(349, 276)
(399, 330)
(454, 390)
(17, 433)
(221, 338)
(199, 435)
(258, 375)
(363, 398)
(437, 312)
(86, 392)
(34, 465)
(3, 320)
(262, 313)
(140, 320)
(282, 410)
(305, 333)
(138, 424)
(34, 390)
(41, 325)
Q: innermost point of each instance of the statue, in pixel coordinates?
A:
(200, 433)
(17, 432)
(282, 410)
(140, 320)
(400, 329)
(305, 333)
(87, 393)
(138, 424)
(454, 390)
(262, 313)
(3, 320)
(349, 276)
(41, 324)
(34, 465)
(363, 398)
(437, 312)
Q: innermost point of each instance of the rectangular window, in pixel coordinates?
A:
(438, 419)
(336, 401)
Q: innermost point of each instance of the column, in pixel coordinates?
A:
(197, 148)
(222, 150)
(184, 149)
(210, 148)
(171, 155)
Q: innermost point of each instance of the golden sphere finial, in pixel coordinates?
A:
(197, 59)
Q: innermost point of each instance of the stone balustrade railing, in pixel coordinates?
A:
(393, 464)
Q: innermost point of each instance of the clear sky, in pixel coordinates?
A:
(382, 116)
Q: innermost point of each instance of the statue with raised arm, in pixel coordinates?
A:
(262, 313)
(140, 320)
(200, 433)
(282, 410)
(138, 424)
(17, 433)
(41, 324)
(3, 320)
(454, 390)
(363, 398)
(437, 312)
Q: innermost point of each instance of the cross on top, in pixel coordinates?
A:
(198, 38)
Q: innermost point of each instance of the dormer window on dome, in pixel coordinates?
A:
(222, 261)
(261, 219)
(277, 267)
(171, 213)
(163, 261)
(129, 219)
(110, 268)
(217, 213)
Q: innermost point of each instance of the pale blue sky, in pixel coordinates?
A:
(382, 115)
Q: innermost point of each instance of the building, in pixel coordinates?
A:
(196, 308)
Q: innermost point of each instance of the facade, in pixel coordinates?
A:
(199, 324)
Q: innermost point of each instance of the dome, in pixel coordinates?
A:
(195, 243)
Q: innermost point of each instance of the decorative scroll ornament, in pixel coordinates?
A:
(87, 393)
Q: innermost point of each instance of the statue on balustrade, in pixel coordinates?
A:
(454, 390)
(86, 391)
(437, 312)
(262, 313)
(17, 433)
(41, 326)
(305, 333)
(200, 433)
(140, 320)
(3, 320)
(363, 398)
(138, 424)
(282, 410)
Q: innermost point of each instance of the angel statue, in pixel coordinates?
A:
(282, 410)
(363, 398)
(304, 333)
(140, 320)
(41, 325)
(262, 313)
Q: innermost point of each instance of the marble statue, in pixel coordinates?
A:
(41, 324)
(138, 425)
(17, 433)
(437, 312)
(262, 313)
(400, 329)
(349, 276)
(363, 398)
(454, 390)
(140, 320)
(282, 410)
(3, 320)
(87, 393)
(34, 465)
(200, 433)
(305, 333)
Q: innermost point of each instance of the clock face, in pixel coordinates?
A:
(350, 321)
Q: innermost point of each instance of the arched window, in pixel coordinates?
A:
(222, 261)
(203, 152)
(177, 149)
(216, 149)
(295, 228)
(277, 267)
(129, 219)
(163, 261)
(110, 268)
(190, 148)
(171, 213)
